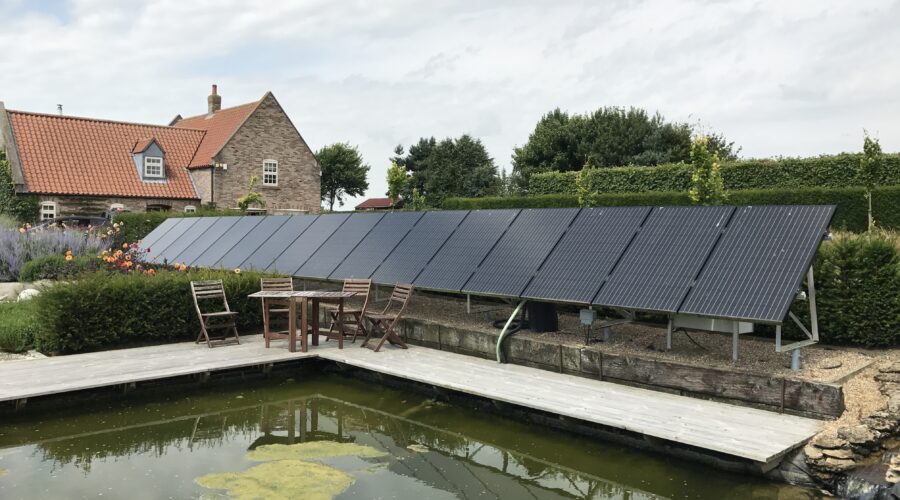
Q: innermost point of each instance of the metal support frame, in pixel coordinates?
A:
(669, 334)
(812, 332)
(505, 328)
(468, 303)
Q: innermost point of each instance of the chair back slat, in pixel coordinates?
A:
(205, 290)
(361, 287)
(400, 295)
(277, 284)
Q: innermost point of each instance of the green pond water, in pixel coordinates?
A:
(329, 436)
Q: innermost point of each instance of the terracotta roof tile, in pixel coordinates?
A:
(219, 128)
(142, 145)
(376, 203)
(83, 156)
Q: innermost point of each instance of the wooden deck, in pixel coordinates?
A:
(747, 433)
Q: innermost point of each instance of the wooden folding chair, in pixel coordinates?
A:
(385, 322)
(352, 316)
(281, 306)
(205, 292)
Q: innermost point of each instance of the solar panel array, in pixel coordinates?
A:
(742, 263)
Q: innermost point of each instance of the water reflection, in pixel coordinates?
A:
(432, 450)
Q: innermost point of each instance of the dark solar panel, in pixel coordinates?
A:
(520, 252)
(221, 246)
(298, 252)
(263, 257)
(201, 245)
(664, 258)
(179, 229)
(758, 265)
(453, 265)
(422, 242)
(336, 248)
(236, 256)
(150, 240)
(196, 232)
(374, 248)
(586, 254)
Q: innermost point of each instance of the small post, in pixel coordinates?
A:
(606, 332)
(734, 342)
(795, 360)
(669, 335)
(468, 303)
(777, 338)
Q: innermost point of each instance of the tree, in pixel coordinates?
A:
(343, 173)
(707, 186)
(450, 167)
(607, 137)
(252, 197)
(397, 182)
(869, 170)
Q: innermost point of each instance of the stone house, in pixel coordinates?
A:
(87, 166)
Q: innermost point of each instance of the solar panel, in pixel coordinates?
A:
(461, 254)
(150, 240)
(520, 252)
(263, 257)
(196, 249)
(423, 241)
(376, 246)
(178, 246)
(758, 265)
(303, 247)
(179, 229)
(336, 248)
(664, 258)
(238, 230)
(248, 244)
(586, 254)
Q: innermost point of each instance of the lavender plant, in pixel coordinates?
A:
(18, 247)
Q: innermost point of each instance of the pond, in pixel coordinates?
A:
(329, 436)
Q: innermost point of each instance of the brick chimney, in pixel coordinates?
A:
(214, 101)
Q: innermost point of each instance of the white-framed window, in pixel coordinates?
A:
(270, 173)
(153, 166)
(48, 210)
(189, 209)
(117, 207)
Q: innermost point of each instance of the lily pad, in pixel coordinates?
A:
(312, 450)
(281, 479)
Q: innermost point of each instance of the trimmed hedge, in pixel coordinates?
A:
(850, 215)
(139, 224)
(101, 310)
(836, 171)
(56, 267)
(18, 325)
(857, 290)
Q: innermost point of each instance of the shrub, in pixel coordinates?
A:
(17, 248)
(858, 290)
(18, 325)
(104, 310)
(55, 267)
(850, 214)
(139, 224)
(836, 171)
(17, 206)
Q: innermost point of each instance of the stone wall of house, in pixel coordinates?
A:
(96, 206)
(201, 178)
(269, 134)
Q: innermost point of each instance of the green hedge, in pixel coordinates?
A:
(850, 214)
(19, 323)
(56, 267)
(139, 224)
(102, 310)
(858, 290)
(822, 172)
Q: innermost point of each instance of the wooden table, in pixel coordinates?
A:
(305, 297)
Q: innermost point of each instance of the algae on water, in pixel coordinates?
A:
(313, 450)
(3, 472)
(281, 479)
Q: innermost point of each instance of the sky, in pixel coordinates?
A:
(780, 78)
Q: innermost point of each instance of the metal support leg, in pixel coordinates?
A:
(734, 342)
(468, 304)
(669, 335)
(795, 359)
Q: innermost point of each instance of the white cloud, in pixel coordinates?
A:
(780, 78)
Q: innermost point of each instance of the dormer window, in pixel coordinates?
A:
(153, 167)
